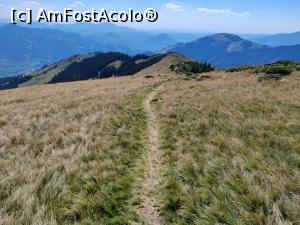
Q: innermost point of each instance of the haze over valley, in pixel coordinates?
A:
(24, 49)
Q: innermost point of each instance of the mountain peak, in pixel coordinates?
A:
(221, 39)
(225, 37)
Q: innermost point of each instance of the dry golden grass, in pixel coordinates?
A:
(74, 153)
(46, 133)
(231, 150)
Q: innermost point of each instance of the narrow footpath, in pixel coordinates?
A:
(149, 206)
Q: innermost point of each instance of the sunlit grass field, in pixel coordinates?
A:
(231, 150)
(229, 146)
(66, 151)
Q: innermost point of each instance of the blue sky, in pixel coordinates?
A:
(236, 16)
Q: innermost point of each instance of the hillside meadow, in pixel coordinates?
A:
(67, 151)
(76, 153)
(231, 150)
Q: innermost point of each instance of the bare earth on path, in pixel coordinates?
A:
(149, 212)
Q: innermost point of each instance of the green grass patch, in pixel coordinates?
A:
(228, 160)
(101, 191)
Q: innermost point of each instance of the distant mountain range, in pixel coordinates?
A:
(228, 50)
(283, 39)
(24, 49)
(124, 39)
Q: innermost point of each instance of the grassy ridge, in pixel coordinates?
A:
(231, 151)
(73, 153)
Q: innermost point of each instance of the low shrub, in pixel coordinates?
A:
(191, 67)
(278, 69)
(241, 68)
(273, 71)
(269, 77)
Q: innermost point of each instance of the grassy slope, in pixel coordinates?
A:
(44, 75)
(47, 73)
(71, 153)
(231, 151)
(66, 151)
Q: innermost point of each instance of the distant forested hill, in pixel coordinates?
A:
(83, 67)
(228, 50)
(26, 48)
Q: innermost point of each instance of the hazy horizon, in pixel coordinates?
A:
(206, 16)
(145, 29)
